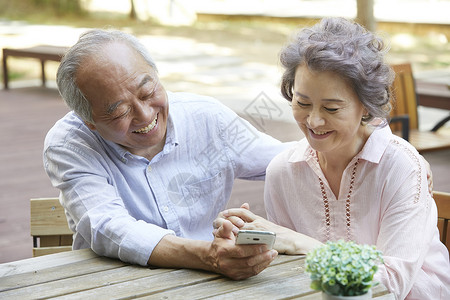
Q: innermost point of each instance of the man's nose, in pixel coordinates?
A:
(142, 112)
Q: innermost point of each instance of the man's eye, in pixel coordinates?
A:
(147, 96)
(122, 115)
(331, 109)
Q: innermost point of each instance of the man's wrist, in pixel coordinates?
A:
(176, 252)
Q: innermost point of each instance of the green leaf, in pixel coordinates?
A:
(343, 268)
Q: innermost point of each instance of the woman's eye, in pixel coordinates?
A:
(301, 104)
(331, 109)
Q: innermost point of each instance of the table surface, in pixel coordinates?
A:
(433, 88)
(83, 274)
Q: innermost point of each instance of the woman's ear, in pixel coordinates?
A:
(365, 111)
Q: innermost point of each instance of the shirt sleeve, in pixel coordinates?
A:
(249, 149)
(274, 192)
(407, 225)
(98, 214)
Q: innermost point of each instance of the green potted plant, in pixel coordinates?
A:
(343, 269)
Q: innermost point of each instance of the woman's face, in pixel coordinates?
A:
(328, 111)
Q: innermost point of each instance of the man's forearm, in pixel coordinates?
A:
(176, 252)
(220, 256)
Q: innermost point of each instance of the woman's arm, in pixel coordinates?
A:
(287, 241)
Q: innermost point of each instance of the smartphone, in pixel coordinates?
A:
(253, 237)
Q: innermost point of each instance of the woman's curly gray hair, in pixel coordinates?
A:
(344, 47)
(90, 43)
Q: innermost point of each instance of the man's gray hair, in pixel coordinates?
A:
(90, 43)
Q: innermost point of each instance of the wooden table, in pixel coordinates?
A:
(432, 94)
(41, 52)
(433, 88)
(81, 274)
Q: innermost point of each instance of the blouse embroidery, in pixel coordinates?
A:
(326, 204)
(419, 171)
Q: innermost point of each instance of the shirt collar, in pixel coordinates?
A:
(172, 138)
(302, 152)
(376, 144)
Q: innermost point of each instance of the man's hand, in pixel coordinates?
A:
(219, 256)
(287, 241)
(429, 176)
(237, 261)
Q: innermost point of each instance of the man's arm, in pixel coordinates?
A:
(220, 256)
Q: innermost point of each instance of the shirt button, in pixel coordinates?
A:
(166, 209)
(149, 168)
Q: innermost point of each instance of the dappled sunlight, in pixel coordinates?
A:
(225, 58)
(425, 52)
(403, 41)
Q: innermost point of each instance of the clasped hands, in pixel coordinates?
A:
(287, 241)
(236, 261)
(243, 261)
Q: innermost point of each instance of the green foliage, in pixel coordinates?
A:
(44, 8)
(343, 268)
(60, 6)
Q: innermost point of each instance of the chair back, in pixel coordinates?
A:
(404, 96)
(49, 228)
(442, 200)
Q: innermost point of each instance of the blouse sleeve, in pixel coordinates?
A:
(249, 149)
(407, 224)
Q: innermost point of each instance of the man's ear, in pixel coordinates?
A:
(90, 125)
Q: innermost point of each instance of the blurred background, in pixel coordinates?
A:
(227, 49)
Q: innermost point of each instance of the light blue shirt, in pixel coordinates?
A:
(121, 205)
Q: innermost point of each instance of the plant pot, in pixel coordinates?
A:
(367, 295)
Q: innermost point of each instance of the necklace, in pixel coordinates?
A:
(326, 204)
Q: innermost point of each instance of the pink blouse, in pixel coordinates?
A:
(383, 201)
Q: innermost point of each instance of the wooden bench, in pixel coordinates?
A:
(41, 52)
(49, 227)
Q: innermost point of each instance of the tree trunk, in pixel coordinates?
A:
(133, 15)
(364, 15)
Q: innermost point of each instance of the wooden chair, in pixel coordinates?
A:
(443, 205)
(405, 112)
(49, 228)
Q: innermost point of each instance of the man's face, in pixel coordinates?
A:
(129, 104)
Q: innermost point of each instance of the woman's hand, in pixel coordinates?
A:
(237, 222)
(287, 241)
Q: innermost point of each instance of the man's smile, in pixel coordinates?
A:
(148, 127)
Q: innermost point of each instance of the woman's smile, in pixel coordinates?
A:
(319, 134)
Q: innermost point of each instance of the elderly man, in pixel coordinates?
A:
(144, 172)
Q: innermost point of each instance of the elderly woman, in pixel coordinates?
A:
(350, 177)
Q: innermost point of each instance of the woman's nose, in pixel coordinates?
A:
(315, 119)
